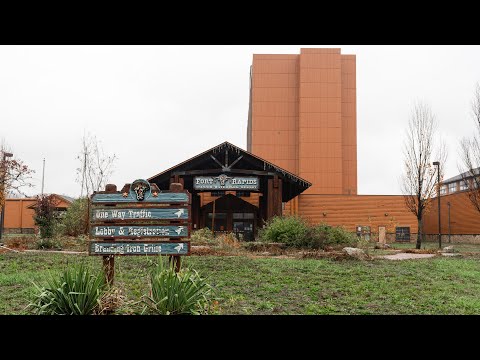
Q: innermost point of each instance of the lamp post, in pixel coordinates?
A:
(449, 229)
(437, 164)
(2, 189)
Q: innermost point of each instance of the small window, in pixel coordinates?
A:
(363, 232)
(443, 189)
(237, 216)
(463, 185)
(218, 216)
(218, 193)
(452, 187)
(243, 193)
(402, 233)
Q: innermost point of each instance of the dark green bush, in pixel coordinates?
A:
(174, 293)
(294, 231)
(48, 243)
(46, 214)
(75, 221)
(290, 230)
(75, 292)
(340, 236)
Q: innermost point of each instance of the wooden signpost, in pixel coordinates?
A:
(144, 220)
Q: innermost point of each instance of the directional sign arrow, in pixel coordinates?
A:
(179, 230)
(179, 247)
(179, 212)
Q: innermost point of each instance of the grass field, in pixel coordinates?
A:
(247, 285)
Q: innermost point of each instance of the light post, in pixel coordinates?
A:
(437, 164)
(2, 189)
(449, 229)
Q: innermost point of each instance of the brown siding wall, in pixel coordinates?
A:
(17, 215)
(464, 218)
(353, 210)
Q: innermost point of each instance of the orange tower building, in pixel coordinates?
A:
(302, 116)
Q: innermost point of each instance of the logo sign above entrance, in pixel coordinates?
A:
(225, 182)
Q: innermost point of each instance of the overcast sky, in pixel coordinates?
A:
(155, 106)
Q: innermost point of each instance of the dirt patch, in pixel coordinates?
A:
(420, 251)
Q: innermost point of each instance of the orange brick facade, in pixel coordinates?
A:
(302, 117)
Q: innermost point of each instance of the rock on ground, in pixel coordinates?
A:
(448, 249)
(355, 253)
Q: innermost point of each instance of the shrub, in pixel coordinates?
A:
(75, 292)
(295, 232)
(75, 221)
(174, 293)
(203, 236)
(228, 240)
(48, 243)
(340, 236)
(45, 214)
(291, 230)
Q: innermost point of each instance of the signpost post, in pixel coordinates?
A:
(144, 220)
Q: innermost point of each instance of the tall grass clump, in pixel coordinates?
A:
(77, 291)
(174, 293)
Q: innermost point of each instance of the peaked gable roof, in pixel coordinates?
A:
(229, 158)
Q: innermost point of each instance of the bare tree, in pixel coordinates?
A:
(470, 155)
(420, 150)
(95, 165)
(14, 174)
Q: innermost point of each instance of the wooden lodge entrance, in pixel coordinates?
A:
(230, 213)
(232, 189)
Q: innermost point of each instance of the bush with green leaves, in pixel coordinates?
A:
(77, 291)
(294, 231)
(291, 230)
(47, 243)
(175, 293)
(338, 235)
(75, 220)
(46, 214)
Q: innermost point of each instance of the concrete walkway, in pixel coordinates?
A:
(56, 251)
(406, 256)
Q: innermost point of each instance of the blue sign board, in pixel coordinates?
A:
(139, 248)
(146, 231)
(102, 214)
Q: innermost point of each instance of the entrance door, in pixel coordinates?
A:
(243, 225)
(219, 222)
(381, 234)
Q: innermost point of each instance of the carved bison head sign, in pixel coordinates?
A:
(222, 178)
(140, 187)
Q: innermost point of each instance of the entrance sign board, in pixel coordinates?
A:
(140, 248)
(146, 231)
(224, 182)
(103, 213)
(144, 220)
